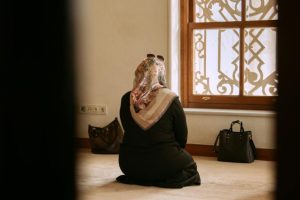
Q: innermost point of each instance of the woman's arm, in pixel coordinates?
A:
(124, 109)
(179, 123)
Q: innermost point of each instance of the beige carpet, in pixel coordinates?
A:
(220, 181)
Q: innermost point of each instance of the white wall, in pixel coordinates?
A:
(112, 37)
(205, 125)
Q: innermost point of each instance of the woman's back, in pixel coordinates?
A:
(155, 134)
(169, 129)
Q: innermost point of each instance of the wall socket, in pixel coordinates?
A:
(93, 109)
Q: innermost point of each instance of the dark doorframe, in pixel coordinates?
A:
(288, 132)
(37, 101)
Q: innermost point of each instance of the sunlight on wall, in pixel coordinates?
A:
(174, 45)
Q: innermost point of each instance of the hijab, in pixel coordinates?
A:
(150, 96)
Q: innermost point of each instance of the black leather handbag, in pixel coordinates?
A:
(106, 140)
(235, 146)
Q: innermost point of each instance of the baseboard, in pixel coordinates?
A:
(83, 143)
(207, 150)
(200, 150)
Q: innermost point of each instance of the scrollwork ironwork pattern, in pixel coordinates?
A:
(261, 10)
(224, 82)
(261, 81)
(218, 10)
(260, 73)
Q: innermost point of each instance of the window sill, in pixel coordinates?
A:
(228, 112)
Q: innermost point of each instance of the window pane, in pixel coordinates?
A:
(261, 10)
(261, 76)
(216, 61)
(217, 10)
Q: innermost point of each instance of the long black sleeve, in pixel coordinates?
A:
(124, 110)
(180, 125)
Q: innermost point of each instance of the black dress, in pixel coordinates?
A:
(156, 156)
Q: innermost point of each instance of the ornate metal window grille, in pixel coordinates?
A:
(229, 53)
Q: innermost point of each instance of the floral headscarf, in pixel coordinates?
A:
(149, 77)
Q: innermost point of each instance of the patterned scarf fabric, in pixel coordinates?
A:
(150, 97)
(149, 77)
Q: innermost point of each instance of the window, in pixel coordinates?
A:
(228, 54)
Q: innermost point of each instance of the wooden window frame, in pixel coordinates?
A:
(189, 100)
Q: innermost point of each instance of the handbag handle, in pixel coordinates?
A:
(237, 122)
(215, 147)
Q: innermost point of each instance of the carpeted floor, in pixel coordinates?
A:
(220, 181)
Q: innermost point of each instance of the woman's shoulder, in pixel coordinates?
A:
(126, 95)
(168, 92)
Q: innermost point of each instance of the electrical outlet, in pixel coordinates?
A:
(93, 109)
(102, 109)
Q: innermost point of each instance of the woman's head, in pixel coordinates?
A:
(150, 72)
(149, 77)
